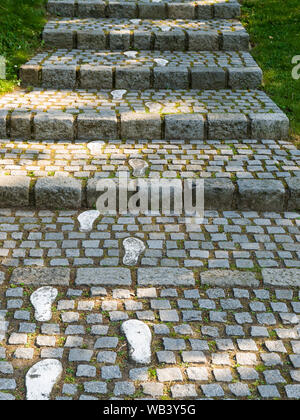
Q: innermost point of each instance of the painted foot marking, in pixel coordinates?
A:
(134, 247)
(86, 220)
(139, 337)
(42, 300)
(41, 378)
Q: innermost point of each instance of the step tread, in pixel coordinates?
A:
(149, 114)
(241, 159)
(252, 175)
(163, 101)
(222, 192)
(222, 59)
(120, 24)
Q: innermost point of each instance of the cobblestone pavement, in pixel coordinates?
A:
(244, 159)
(225, 240)
(228, 332)
(149, 114)
(121, 58)
(161, 101)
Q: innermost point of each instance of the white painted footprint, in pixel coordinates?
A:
(134, 247)
(95, 147)
(161, 61)
(153, 106)
(136, 21)
(139, 166)
(87, 219)
(118, 94)
(3, 325)
(139, 337)
(42, 300)
(130, 54)
(41, 378)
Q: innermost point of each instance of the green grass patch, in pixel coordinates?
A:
(273, 26)
(21, 24)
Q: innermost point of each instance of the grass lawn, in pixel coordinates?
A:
(274, 28)
(21, 23)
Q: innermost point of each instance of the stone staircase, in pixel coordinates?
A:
(159, 90)
(149, 72)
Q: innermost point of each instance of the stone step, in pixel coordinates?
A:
(90, 69)
(156, 195)
(231, 159)
(146, 34)
(159, 9)
(149, 114)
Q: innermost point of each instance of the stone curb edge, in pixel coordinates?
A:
(110, 126)
(133, 9)
(99, 77)
(220, 193)
(156, 277)
(180, 40)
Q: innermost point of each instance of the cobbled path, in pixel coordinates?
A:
(268, 159)
(225, 240)
(173, 86)
(228, 332)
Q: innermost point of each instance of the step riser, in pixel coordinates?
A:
(109, 125)
(222, 10)
(219, 194)
(140, 77)
(144, 40)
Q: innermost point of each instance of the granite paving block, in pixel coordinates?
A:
(165, 276)
(229, 278)
(103, 276)
(58, 192)
(14, 191)
(41, 276)
(281, 277)
(261, 195)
